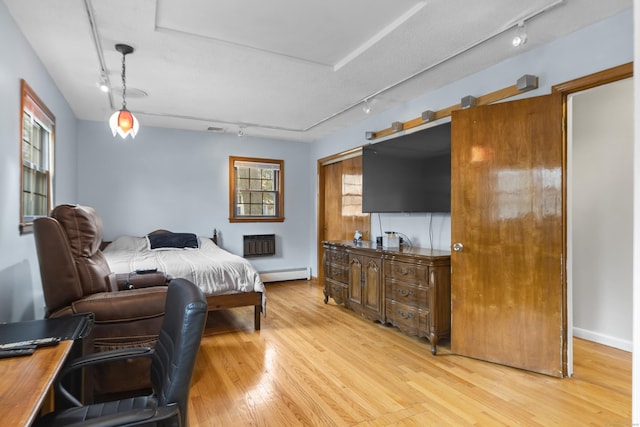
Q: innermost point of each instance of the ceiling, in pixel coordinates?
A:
(286, 69)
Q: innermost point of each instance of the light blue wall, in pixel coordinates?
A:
(20, 286)
(603, 45)
(178, 180)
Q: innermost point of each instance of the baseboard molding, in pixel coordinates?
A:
(282, 275)
(603, 339)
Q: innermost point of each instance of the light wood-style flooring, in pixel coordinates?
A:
(313, 364)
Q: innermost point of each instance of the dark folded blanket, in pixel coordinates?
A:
(173, 240)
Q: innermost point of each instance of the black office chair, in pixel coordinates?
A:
(172, 363)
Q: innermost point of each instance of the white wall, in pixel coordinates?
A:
(601, 190)
(178, 180)
(20, 286)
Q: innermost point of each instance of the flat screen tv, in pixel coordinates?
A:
(411, 173)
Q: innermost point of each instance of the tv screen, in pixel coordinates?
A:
(411, 173)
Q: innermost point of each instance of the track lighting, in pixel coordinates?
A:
(366, 106)
(521, 36)
(103, 84)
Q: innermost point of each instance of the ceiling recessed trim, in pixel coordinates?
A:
(327, 34)
(379, 36)
(236, 45)
(531, 15)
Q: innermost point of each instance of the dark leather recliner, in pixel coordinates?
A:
(172, 364)
(76, 278)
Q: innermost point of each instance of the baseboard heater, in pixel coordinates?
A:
(282, 275)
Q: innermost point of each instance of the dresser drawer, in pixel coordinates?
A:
(406, 318)
(337, 272)
(405, 271)
(337, 256)
(406, 293)
(336, 290)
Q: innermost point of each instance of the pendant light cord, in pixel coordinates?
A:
(124, 82)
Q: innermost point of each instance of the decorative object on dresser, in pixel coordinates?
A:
(408, 288)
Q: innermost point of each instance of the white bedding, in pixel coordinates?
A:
(213, 269)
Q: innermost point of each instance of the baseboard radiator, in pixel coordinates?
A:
(282, 275)
(259, 245)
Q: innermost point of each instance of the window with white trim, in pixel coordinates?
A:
(37, 131)
(256, 189)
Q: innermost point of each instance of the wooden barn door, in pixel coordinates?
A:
(508, 280)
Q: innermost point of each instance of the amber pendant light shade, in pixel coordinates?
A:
(122, 122)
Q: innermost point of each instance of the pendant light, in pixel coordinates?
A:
(122, 121)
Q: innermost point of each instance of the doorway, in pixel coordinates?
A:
(567, 89)
(600, 213)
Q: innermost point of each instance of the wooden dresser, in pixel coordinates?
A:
(408, 288)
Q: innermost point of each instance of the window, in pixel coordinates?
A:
(256, 190)
(37, 130)
(352, 195)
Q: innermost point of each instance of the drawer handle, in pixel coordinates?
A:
(406, 292)
(405, 316)
(335, 271)
(402, 271)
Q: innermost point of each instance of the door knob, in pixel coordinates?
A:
(457, 247)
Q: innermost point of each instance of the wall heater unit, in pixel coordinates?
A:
(259, 245)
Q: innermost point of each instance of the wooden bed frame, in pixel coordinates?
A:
(221, 302)
(226, 301)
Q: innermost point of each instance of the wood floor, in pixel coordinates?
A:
(313, 364)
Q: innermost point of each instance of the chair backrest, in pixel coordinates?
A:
(71, 263)
(178, 344)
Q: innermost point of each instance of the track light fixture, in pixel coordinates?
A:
(103, 84)
(521, 36)
(122, 121)
(366, 106)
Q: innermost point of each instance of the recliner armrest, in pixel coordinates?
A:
(135, 280)
(124, 306)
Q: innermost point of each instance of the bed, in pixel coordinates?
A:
(226, 279)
